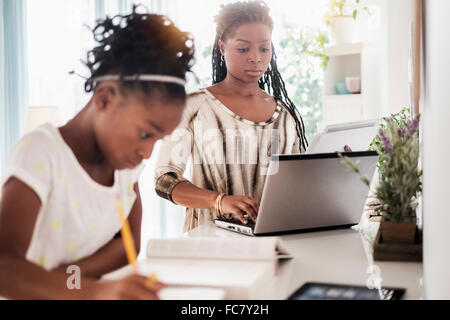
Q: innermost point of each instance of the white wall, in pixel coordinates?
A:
(389, 27)
(399, 17)
(436, 134)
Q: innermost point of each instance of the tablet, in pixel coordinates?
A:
(329, 291)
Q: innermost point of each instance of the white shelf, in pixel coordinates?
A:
(343, 96)
(344, 49)
(352, 60)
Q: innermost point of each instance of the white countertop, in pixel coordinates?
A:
(339, 256)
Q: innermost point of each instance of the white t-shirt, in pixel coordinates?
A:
(78, 216)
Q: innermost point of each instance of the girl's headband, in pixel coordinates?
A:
(143, 77)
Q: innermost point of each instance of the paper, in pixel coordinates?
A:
(238, 279)
(191, 293)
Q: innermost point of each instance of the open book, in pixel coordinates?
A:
(262, 249)
(242, 267)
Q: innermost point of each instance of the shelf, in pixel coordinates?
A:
(344, 49)
(352, 60)
(343, 96)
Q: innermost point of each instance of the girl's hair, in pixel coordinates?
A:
(229, 18)
(138, 44)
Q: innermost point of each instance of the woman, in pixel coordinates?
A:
(230, 129)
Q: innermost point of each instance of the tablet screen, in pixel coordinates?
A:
(326, 291)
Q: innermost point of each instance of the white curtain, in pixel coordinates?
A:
(13, 73)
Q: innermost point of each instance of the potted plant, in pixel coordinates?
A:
(399, 177)
(340, 17)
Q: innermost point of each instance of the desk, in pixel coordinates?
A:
(338, 256)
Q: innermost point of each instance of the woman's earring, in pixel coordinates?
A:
(222, 58)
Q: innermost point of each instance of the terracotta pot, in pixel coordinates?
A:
(398, 232)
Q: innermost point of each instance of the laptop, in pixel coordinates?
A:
(309, 192)
(358, 135)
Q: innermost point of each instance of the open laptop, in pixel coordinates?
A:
(358, 135)
(309, 192)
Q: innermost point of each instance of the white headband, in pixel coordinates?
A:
(144, 77)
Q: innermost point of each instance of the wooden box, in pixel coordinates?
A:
(383, 251)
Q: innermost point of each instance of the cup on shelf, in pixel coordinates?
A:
(341, 88)
(353, 84)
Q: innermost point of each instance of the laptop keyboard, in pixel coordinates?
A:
(250, 222)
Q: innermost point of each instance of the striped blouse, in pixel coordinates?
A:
(227, 153)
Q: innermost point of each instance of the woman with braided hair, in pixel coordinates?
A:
(61, 185)
(231, 128)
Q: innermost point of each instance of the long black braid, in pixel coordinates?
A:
(230, 17)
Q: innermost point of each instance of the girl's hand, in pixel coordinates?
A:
(133, 287)
(239, 206)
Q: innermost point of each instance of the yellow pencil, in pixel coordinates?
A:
(128, 243)
(127, 238)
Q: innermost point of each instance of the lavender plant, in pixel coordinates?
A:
(401, 119)
(400, 177)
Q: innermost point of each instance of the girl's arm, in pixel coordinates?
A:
(21, 279)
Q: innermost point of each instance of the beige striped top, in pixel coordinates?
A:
(228, 154)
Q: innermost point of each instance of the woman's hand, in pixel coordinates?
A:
(239, 206)
(133, 287)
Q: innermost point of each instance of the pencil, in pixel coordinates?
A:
(127, 238)
(128, 243)
(151, 280)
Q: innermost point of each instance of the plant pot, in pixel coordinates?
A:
(398, 232)
(343, 29)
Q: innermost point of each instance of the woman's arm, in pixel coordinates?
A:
(188, 195)
(21, 279)
(112, 256)
(173, 157)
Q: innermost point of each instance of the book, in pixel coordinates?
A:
(242, 267)
(239, 248)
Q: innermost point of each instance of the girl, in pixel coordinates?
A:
(231, 128)
(58, 197)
